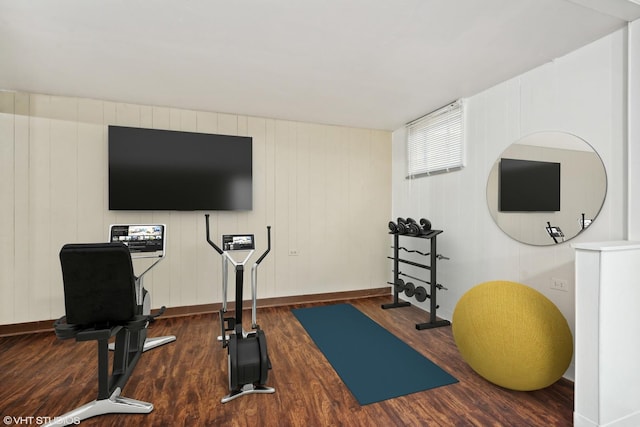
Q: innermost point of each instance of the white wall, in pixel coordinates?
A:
(583, 93)
(325, 190)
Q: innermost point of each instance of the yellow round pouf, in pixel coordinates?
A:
(512, 335)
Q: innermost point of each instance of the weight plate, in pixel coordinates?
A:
(399, 286)
(409, 289)
(421, 293)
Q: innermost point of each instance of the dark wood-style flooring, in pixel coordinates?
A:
(41, 376)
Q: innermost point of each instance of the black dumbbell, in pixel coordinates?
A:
(426, 224)
(409, 226)
(412, 227)
(402, 226)
(393, 227)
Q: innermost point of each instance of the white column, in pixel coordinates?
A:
(607, 350)
(633, 123)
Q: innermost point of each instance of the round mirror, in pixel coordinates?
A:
(546, 188)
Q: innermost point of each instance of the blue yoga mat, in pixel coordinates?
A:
(372, 362)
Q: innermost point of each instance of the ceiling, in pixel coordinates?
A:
(363, 63)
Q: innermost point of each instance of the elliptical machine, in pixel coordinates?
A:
(248, 361)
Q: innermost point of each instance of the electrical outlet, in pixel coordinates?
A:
(293, 252)
(559, 285)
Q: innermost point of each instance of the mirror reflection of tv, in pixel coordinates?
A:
(152, 169)
(528, 186)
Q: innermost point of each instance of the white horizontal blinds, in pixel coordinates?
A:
(435, 142)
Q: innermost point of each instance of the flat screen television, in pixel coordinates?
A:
(152, 169)
(528, 186)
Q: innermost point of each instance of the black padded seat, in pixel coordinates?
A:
(99, 284)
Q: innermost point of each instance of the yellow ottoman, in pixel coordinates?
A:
(512, 335)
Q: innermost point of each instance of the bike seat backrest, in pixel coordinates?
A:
(99, 284)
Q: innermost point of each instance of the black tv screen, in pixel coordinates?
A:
(151, 169)
(529, 186)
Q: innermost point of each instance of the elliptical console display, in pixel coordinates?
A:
(248, 359)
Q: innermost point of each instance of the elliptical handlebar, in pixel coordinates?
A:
(206, 217)
(254, 276)
(268, 246)
(254, 281)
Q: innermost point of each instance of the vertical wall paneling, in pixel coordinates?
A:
(92, 171)
(300, 193)
(378, 171)
(337, 217)
(322, 188)
(316, 248)
(285, 212)
(268, 273)
(358, 185)
(161, 118)
(8, 158)
(63, 187)
(41, 258)
(21, 203)
(128, 115)
(258, 217)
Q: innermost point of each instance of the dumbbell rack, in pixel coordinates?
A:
(430, 235)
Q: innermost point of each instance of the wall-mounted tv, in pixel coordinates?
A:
(152, 169)
(528, 186)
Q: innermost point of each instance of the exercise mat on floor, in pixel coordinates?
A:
(372, 362)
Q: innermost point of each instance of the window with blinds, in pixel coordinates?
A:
(435, 142)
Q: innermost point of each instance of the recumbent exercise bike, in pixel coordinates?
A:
(104, 299)
(248, 360)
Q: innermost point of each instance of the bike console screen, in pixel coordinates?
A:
(139, 238)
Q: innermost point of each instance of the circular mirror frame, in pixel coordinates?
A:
(583, 188)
